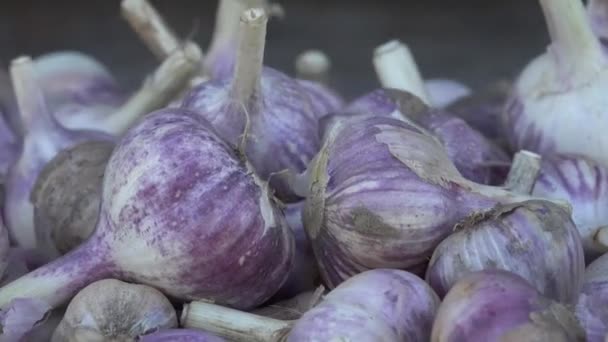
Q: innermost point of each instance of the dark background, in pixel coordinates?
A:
(475, 41)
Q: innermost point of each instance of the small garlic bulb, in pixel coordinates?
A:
(112, 310)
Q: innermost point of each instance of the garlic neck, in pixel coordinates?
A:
(574, 48)
(249, 65)
(397, 69)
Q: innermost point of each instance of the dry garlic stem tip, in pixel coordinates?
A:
(150, 26)
(233, 324)
(601, 236)
(577, 51)
(313, 65)
(30, 99)
(397, 69)
(523, 173)
(250, 58)
(159, 89)
(276, 10)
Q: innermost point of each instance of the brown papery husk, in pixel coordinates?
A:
(67, 196)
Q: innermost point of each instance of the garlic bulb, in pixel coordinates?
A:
(558, 102)
(112, 310)
(535, 239)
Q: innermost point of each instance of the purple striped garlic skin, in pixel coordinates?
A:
(182, 213)
(304, 274)
(558, 102)
(383, 195)
(483, 110)
(583, 183)
(283, 128)
(536, 240)
(496, 305)
(180, 335)
(477, 158)
(322, 99)
(592, 306)
(377, 305)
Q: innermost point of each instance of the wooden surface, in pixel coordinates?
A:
(475, 41)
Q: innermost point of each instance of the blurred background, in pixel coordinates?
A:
(474, 41)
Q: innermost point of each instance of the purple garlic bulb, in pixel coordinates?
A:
(477, 158)
(44, 138)
(536, 240)
(262, 111)
(70, 77)
(94, 104)
(583, 183)
(483, 111)
(499, 306)
(592, 306)
(597, 11)
(558, 103)
(304, 273)
(377, 305)
(180, 212)
(180, 335)
(442, 92)
(384, 194)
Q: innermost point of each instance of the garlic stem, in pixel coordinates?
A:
(232, 324)
(160, 88)
(397, 69)
(250, 57)
(150, 26)
(575, 48)
(523, 173)
(313, 65)
(35, 114)
(57, 282)
(227, 21)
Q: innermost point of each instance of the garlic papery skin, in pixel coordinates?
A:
(592, 306)
(67, 196)
(112, 310)
(558, 102)
(536, 240)
(384, 194)
(583, 183)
